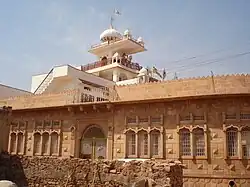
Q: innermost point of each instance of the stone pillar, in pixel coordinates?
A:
(9, 145)
(17, 139)
(240, 154)
(110, 137)
(49, 144)
(115, 76)
(192, 142)
(149, 143)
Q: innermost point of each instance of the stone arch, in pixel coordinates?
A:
(54, 143)
(93, 143)
(45, 143)
(20, 143)
(13, 139)
(155, 142)
(143, 144)
(37, 143)
(93, 131)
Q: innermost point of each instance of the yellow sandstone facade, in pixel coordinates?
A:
(205, 124)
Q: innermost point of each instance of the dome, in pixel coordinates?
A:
(127, 33)
(140, 40)
(110, 34)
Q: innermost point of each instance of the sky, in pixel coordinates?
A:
(189, 37)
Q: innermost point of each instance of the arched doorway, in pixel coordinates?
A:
(93, 143)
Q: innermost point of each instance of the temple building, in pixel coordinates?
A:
(116, 109)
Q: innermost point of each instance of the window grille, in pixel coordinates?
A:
(244, 116)
(199, 142)
(143, 143)
(199, 117)
(155, 138)
(156, 119)
(131, 143)
(143, 120)
(185, 142)
(131, 120)
(245, 142)
(186, 118)
(232, 142)
(230, 116)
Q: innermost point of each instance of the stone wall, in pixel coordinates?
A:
(50, 172)
(226, 84)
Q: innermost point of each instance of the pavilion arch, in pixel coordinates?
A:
(93, 143)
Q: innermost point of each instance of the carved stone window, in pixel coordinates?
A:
(37, 143)
(155, 143)
(245, 143)
(54, 143)
(185, 144)
(131, 144)
(45, 144)
(232, 142)
(13, 139)
(199, 142)
(131, 120)
(143, 144)
(20, 143)
(155, 119)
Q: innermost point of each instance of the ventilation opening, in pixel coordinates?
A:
(232, 184)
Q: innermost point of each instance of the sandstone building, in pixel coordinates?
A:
(115, 109)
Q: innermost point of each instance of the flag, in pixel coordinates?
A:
(116, 12)
(164, 74)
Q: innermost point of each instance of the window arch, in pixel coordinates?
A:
(185, 144)
(54, 143)
(20, 143)
(143, 143)
(131, 144)
(245, 142)
(45, 143)
(199, 142)
(232, 141)
(37, 143)
(155, 143)
(13, 140)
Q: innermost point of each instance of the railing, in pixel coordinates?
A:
(124, 62)
(107, 43)
(44, 84)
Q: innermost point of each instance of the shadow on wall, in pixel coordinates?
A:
(11, 169)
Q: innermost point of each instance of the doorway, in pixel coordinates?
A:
(93, 143)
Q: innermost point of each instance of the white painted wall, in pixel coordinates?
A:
(36, 81)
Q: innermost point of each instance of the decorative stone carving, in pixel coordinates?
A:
(170, 151)
(215, 151)
(214, 135)
(65, 137)
(118, 150)
(216, 167)
(170, 136)
(232, 167)
(200, 166)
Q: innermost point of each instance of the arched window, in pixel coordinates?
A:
(143, 143)
(20, 143)
(155, 142)
(185, 144)
(13, 142)
(45, 143)
(245, 142)
(199, 142)
(54, 143)
(37, 143)
(232, 141)
(131, 144)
